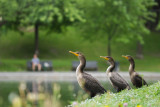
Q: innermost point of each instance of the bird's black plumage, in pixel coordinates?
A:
(93, 85)
(85, 80)
(115, 79)
(118, 82)
(136, 79)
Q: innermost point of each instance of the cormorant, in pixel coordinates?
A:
(115, 79)
(136, 79)
(86, 81)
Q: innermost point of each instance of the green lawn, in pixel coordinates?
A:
(20, 64)
(65, 64)
(16, 49)
(142, 97)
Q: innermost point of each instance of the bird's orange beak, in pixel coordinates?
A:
(104, 57)
(73, 53)
(125, 56)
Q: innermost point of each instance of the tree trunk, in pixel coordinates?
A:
(139, 53)
(36, 38)
(109, 46)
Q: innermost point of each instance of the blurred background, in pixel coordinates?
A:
(51, 28)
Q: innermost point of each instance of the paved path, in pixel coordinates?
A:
(65, 76)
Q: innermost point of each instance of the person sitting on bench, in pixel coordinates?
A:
(36, 63)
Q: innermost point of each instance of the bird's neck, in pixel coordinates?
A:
(132, 66)
(81, 66)
(111, 67)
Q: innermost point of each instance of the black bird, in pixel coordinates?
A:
(115, 79)
(86, 81)
(136, 79)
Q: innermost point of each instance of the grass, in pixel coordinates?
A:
(65, 64)
(142, 97)
(12, 65)
(16, 49)
(20, 64)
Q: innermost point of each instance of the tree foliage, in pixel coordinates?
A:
(120, 20)
(27, 12)
(53, 13)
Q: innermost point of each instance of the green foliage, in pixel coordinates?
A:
(145, 96)
(8, 9)
(29, 12)
(117, 19)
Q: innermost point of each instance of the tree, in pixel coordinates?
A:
(50, 13)
(120, 20)
(151, 25)
(155, 9)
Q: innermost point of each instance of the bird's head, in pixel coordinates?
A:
(128, 57)
(78, 54)
(108, 58)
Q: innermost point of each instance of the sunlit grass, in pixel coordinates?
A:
(142, 97)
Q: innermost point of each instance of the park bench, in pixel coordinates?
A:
(46, 65)
(90, 65)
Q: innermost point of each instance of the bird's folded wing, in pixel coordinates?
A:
(140, 80)
(92, 84)
(118, 81)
